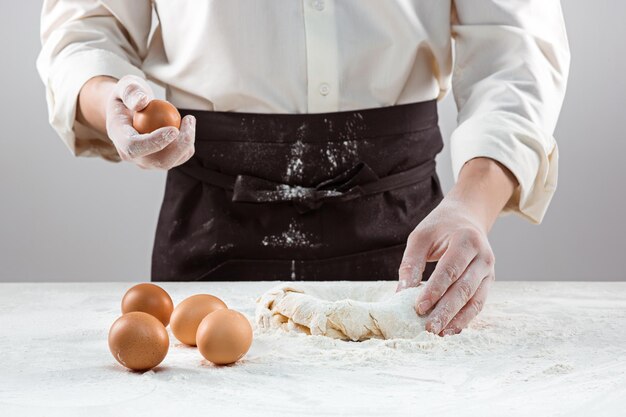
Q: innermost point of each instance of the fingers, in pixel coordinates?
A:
(413, 260)
(131, 94)
(187, 140)
(457, 296)
(128, 142)
(177, 152)
(138, 146)
(164, 148)
(460, 253)
(471, 309)
(134, 92)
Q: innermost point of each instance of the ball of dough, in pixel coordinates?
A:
(189, 313)
(224, 336)
(138, 341)
(151, 299)
(157, 114)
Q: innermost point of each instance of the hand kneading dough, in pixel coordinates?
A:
(342, 310)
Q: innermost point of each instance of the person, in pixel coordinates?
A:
(307, 147)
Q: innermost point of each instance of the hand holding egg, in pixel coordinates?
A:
(160, 140)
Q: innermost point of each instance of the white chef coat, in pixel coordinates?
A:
(507, 62)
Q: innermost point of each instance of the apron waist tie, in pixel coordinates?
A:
(358, 181)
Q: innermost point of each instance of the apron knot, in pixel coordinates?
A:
(358, 181)
(343, 187)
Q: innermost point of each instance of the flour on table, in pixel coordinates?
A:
(342, 310)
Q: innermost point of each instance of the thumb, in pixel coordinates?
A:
(134, 92)
(413, 261)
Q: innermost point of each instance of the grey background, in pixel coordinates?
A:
(74, 219)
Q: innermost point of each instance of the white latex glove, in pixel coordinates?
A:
(164, 148)
(458, 287)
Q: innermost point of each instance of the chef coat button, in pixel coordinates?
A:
(324, 89)
(318, 5)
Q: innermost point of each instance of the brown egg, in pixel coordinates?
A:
(157, 114)
(224, 336)
(189, 313)
(150, 299)
(138, 341)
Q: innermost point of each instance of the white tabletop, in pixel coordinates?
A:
(537, 349)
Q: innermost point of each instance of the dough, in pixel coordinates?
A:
(342, 310)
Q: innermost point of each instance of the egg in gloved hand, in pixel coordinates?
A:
(224, 336)
(138, 341)
(189, 313)
(150, 299)
(157, 114)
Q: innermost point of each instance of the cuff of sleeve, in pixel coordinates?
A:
(67, 77)
(530, 155)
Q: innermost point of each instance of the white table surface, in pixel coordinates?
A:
(538, 349)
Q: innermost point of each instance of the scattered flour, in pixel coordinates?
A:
(336, 155)
(291, 192)
(293, 237)
(516, 359)
(295, 163)
(342, 155)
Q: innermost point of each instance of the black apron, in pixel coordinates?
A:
(315, 197)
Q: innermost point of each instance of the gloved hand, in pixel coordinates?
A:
(458, 287)
(164, 148)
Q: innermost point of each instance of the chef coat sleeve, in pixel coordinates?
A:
(511, 67)
(82, 39)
